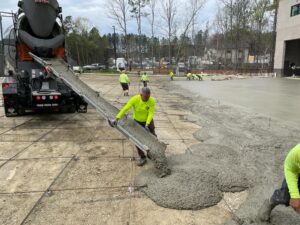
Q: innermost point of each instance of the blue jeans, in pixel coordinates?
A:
(282, 196)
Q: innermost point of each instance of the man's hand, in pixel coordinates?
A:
(147, 128)
(113, 123)
(295, 204)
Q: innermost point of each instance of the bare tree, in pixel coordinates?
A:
(169, 17)
(152, 6)
(194, 7)
(260, 9)
(119, 12)
(137, 12)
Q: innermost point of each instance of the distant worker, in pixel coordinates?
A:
(288, 194)
(171, 74)
(199, 76)
(124, 81)
(145, 79)
(293, 67)
(189, 75)
(143, 110)
(194, 76)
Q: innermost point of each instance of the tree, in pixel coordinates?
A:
(152, 6)
(84, 44)
(137, 7)
(169, 17)
(194, 7)
(119, 11)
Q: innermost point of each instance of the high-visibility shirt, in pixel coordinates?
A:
(142, 111)
(189, 75)
(123, 78)
(144, 77)
(292, 171)
(171, 74)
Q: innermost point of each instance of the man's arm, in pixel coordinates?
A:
(151, 113)
(292, 181)
(126, 108)
(291, 171)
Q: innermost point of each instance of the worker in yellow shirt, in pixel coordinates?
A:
(171, 74)
(124, 81)
(289, 193)
(145, 79)
(143, 110)
(189, 75)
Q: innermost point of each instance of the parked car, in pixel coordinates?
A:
(77, 69)
(99, 66)
(89, 67)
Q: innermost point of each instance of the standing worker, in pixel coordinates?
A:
(189, 75)
(124, 81)
(289, 193)
(145, 79)
(143, 110)
(171, 74)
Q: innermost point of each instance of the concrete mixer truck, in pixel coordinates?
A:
(28, 86)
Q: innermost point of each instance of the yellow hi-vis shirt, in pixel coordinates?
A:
(123, 78)
(142, 111)
(171, 74)
(144, 77)
(292, 171)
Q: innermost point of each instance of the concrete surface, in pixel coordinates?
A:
(277, 98)
(93, 188)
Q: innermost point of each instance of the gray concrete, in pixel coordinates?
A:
(275, 98)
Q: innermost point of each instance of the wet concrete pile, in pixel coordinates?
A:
(239, 150)
(195, 183)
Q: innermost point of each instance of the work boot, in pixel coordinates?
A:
(141, 162)
(264, 213)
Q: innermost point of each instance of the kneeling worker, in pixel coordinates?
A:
(289, 193)
(143, 110)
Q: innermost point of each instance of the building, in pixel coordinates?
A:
(287, 50)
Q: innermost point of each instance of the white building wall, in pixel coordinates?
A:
(288, 28)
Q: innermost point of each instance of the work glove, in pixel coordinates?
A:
(147, 128)
(113, 123)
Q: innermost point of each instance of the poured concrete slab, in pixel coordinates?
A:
(4, 130)
(167, 134)
(175, 147)
(14, 208)
(107, 148)
(79, 135)
(36, 123)
(145, 212)
(186, 134)
(50, 149)
(10, 149)
(12, 122)
(89, 207)
(107, 133)
(29, 175)
(23, 135)
(96, 172)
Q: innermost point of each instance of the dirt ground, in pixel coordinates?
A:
(74, 169)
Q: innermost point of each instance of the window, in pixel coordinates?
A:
(295, 10)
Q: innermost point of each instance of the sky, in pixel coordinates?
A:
(97, 13)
